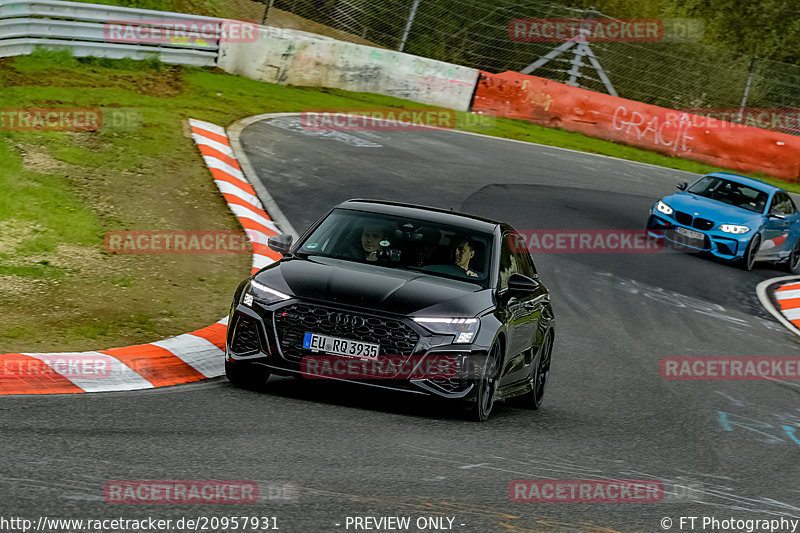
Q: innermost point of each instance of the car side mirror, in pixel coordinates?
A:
(682, 186)
(280, 243)
(520, 284)
(778, 216)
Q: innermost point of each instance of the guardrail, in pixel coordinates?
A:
(87, 30)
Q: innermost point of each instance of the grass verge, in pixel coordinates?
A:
(62, 191)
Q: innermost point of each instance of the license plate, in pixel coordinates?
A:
(689, 233)
(338, 346)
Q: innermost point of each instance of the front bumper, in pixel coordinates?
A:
(259, 335)
(714, 242)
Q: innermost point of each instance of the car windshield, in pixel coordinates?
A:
(730, 192)
(403, 243)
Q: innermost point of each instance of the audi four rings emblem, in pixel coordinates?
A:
(347, 321)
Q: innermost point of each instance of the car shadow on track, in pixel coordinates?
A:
(363, 397)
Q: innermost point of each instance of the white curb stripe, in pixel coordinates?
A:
(196, 352)
(787, 295)
(243, 212)
(260, 261)
(114, 376)
(791, 314)
(213, 128)
(229, 188)
(224, 148)
(257, 237)
(219, 164)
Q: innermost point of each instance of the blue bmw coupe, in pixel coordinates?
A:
(732, 217)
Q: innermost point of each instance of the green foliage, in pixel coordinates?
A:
(43, 56)
(152, 62)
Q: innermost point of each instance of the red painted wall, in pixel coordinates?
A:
(671, 132)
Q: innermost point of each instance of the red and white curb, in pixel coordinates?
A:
(183, 359)
(781, 297)
(237, 191)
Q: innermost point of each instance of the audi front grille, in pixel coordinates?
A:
(294, 321)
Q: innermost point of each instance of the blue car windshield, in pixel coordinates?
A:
(403, 243)
(731, 193)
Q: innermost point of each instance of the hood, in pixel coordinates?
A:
(711, 209)
(374, 287)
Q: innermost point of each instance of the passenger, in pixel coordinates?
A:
(463, 252)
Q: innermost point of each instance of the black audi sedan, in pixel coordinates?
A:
(403, 297)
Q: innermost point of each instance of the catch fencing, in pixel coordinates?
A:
(678, 70)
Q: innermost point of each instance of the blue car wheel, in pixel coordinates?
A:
(749, 258)
(793, 262)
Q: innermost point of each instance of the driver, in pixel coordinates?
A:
(371, 236)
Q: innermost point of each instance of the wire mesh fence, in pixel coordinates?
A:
(677, 70)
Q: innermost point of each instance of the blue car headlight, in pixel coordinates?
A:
(733, 228)
(664, 208)
(464, 329)
(262, 293)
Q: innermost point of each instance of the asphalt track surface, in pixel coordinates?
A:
(354, 452)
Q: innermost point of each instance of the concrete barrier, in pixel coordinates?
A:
(667, 131)
(295, 57)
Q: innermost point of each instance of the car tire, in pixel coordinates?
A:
(541, 376)
(792, 264)
(246, 375)
(480, 409)
(749, 259)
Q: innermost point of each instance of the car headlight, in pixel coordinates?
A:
(262, 293)
(733, 228)
(664, 208)
(464, 329)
